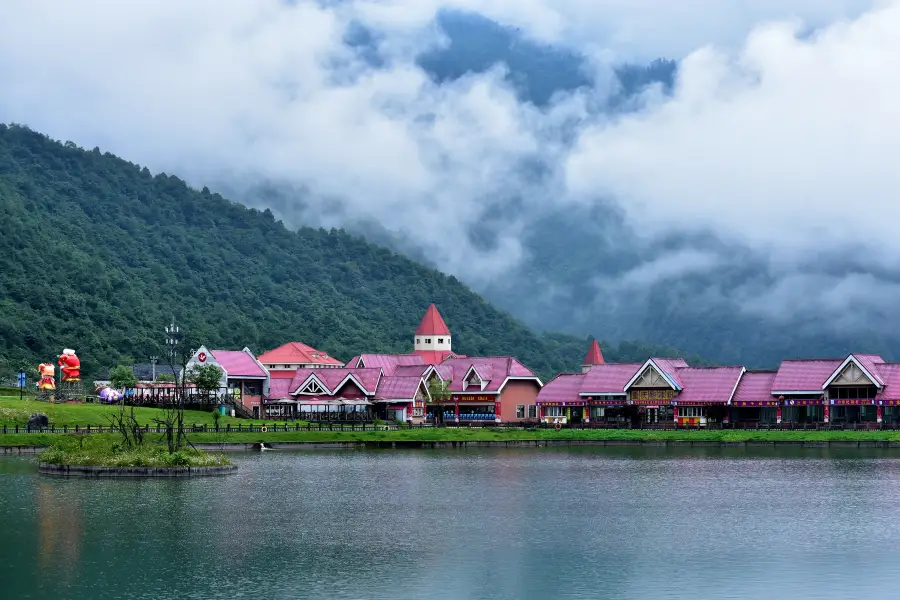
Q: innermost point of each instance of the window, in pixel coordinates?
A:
(691, 411)
(520, 411)
(532, 411)
(418, 412)
(427, 340)
(253, 388)
(418, 340)
(554, 411)
(287, 366)
(440, 340)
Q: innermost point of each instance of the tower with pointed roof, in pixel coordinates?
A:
(432, 334)
(594, 357)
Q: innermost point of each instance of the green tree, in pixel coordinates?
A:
(122, 377)
(207, 378)
(440, 394)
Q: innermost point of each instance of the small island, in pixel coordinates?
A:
(99, 456)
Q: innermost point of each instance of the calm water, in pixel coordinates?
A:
(488, 524)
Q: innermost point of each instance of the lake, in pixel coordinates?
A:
(480, 523)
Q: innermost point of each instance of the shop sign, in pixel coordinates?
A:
(474, 398)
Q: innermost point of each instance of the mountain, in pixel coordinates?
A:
(98, 254)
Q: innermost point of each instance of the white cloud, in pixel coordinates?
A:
(783, 143)
(787, 145)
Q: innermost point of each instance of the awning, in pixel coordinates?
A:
(398, 406)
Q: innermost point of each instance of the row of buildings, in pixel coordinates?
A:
(297, 381)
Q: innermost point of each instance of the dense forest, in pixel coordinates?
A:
(98, 254)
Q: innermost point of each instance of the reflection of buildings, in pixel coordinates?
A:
(60, 531)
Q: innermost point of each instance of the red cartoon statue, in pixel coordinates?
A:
(47, 382)
(70, 366)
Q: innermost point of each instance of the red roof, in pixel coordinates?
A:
(238, 363)
(804, 375)
(608, 378)
(755, 386)
(594, 356)
(708, 384)
(297, 353)
(562, 388)
(432, 323)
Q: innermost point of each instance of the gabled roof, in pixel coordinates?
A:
(866, 364)
(755, 386)
(333, 379)
(890, 374)
(594, 356)
(297, 353)
(608, 378)
(805, 375)
(562, 388)
(387, 362)
(432, 323)
(667, 367)
(498, 369)
(708, 384)
(398, 388)
(436, 357)
(239, 363)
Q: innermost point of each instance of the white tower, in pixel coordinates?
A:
(432, 334)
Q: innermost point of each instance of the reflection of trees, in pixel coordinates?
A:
(60, 531)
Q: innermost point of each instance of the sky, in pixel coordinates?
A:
(780, 134)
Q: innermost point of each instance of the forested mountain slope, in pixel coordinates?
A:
(97, 254)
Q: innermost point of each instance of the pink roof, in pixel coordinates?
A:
(562, 388)
(297, 353)
(671, 367)
(804, 375)
(435, 357)
(594, 356)
(708, 384)
(608, 378)
(388, 362)
(890, 374)
(332, 378)
(411, 370)
(398, 388)
(279, 389)
(432, 323)
(869, 362)
(238, 363)
(495, 368)
(755, 386)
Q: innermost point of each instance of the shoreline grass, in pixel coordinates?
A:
(487, 435)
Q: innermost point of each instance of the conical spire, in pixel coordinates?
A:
(594, 356)
(432, 323)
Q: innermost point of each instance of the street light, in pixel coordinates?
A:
(153, 361)
(21, 383)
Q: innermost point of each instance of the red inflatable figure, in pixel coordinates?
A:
(70, 366)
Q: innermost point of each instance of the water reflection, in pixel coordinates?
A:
(59, 524)
(490, 524)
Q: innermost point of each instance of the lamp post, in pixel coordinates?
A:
(21, 384)
(153, 361)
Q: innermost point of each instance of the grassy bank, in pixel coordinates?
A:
(16, 412)
(498, 435)
(105, 451)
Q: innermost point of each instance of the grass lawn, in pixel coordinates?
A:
(16, 412)
(487, 434)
